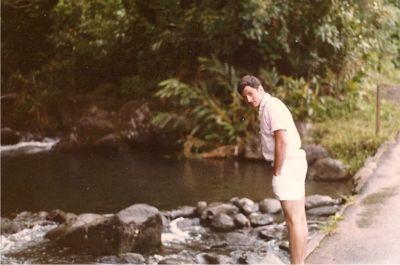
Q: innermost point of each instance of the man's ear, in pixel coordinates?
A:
(260, 89)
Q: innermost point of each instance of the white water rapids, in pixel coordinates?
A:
(28, 147)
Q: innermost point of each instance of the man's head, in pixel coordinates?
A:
(251, 89)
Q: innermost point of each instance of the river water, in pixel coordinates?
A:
(107, 183)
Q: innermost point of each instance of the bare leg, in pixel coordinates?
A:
(295, 218)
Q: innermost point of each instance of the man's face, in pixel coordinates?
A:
(252, 96)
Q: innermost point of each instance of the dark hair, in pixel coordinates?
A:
(248, 80)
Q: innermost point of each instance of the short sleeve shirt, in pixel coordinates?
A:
(273, 116)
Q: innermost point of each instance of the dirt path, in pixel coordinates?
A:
(370, 231)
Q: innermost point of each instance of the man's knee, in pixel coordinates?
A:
(294, 213)
(294, 219)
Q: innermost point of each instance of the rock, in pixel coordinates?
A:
(260, 219)
(76, 232)
(135, 123)
(185, 211)
(328, 169)
(216, 208)
(175, 260)
(188, 223)
(262, 256)
(133, 258)
(267, 235)
(206, 258)
(245, 205)
(71, 143)
(10, 227)
(28, 219)
(57, 216)
(93, 128)
(126, 258)
(271, 206)
(226, 151)
(9, 137)
(304, 129)
(315, 152)
(314, 201)
(106, 123)
(323, 211)
(142, 227)
(201, 205)
(110, 260)
(135, 228)
(238, 239)
(284, 245)
(241, 221)
(111, 143)
(274, 229)
(222, 222)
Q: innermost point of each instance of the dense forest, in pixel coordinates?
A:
(187, 55)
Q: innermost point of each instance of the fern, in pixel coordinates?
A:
(199, 111)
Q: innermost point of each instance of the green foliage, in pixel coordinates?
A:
(330, 226)
(351, 138)
(211, 110)
(320, 53)
(315, 99)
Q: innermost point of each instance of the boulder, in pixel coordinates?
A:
(60, 217)
(126, 258)
(111, 143)
(225, 151)
(141, 228)
(175, 260)
(217, 208)
(260, 219)
(262, 255)
(208, 258)
(323, 211)
(315, 152)
(267, 235)
(241, 220)
(135, 228)
(223, 222)
(93, 128)
(314, 201)
(10, 227)
(134, 122)
(245, 205)
(9, 137)
(239, 239)
(271, 206)
(201, 205)
(185, 211)
(328, 169)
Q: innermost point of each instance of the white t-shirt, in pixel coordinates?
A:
(274, 115)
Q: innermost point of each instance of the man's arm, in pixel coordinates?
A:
(280, 150)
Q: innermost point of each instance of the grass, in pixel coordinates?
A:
(331, 226)
(351, 138)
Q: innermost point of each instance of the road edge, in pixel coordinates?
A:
(359, 179)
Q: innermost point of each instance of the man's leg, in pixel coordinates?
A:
(295, 218)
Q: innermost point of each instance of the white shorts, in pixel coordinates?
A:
(290, 185)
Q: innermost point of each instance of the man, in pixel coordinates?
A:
(281, 144)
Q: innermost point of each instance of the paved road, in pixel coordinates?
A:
(370, 232)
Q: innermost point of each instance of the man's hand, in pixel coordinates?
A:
(280, 150)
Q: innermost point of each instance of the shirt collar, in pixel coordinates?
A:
(264, 101)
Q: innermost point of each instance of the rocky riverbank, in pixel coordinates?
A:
(238, 231)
